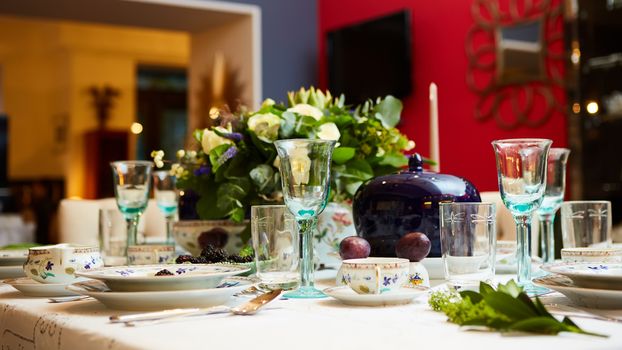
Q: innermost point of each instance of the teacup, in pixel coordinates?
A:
(58, 263)
(150, 254)
(592, 255)
(374, 275)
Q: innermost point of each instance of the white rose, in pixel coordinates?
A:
(328, 131)
(211, 140)
(308, 110)
(265, 126)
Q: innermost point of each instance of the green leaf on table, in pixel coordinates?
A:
(475, 297)
(485, 288)
(505, 304)
(343, 154)
(388, 111)
(510, 288)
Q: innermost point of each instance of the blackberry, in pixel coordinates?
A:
(213, 254)
(240, 259)
(164, 272)
(184, 259)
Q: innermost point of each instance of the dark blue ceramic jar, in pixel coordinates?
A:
(387, 207)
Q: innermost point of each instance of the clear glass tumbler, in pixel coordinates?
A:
(276, 245)
(586, 224)
(468, 238)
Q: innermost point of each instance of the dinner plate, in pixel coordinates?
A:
(143, 278)
(144, 301)
(588, 297)
(32, 288)
(399, 296)
(11, 271)
(589, 275)
(12, 257)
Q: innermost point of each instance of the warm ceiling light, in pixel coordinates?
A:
(136, 128)
(576, 108)
(592, 107)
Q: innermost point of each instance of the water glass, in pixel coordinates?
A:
(586, 224)
(468, 239)
(166, 196)
(275, 241)
(112, 237)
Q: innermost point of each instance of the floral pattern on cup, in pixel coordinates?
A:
(592, 255)
(374, 275)
(417, 275)
(58, 263)
(150, 254)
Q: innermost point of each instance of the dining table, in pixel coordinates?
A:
(315, 324)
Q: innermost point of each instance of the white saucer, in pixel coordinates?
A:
(397, 297)
(589, 275)
(11, 271)
(589, 297)
(32, 288)
(144, 301)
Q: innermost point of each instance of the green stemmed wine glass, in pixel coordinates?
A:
(166, 196)
(305, 176)
(521, 170)
(553, 198)
(132, 183)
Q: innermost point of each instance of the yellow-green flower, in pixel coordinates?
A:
(265, 126)
(329, 131)
(308, 110)
(211, 140)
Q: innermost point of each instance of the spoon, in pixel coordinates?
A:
(149, 318)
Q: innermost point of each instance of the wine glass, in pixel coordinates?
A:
(553, 198)
(305, 176)
(521, 170)
(132, 183)
(167, 197)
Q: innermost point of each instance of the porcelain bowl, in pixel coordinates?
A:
(59, 263)
(194, 235)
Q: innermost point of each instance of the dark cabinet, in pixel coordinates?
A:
(101, 148)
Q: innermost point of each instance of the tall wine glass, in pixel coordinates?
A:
(166, 196)
(553, 198)
(132, 182)
(305, 176)
(521, 169)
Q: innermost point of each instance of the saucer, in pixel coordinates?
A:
(11, 271)
(142, 278)
(161, 300)
(588, 297)
(396, 297)
(32, 288)
(589, 275)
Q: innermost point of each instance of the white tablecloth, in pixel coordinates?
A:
(33, 323)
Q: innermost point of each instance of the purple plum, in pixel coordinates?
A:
(413, 246)
(354, 247)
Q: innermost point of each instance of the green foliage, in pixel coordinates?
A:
(235, 168)
(506, 309)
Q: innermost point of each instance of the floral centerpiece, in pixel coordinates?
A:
(235, 164)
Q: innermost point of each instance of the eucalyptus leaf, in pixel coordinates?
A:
(262, 176)
(288, 125)
(388, 111)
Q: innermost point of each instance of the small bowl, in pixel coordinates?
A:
(588, 254)
(194, 235)
(59, 263)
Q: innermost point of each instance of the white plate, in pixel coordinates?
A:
(590, 275)
(32, 288)
(142, 277)
(396, 297)
(11, 271)
(12, 257)
(588, 297)
(143, 301)
(435, 268)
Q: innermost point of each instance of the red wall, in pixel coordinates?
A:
(439, 30)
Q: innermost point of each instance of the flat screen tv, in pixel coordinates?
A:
(371, 59)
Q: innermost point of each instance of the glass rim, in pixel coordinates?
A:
(587, 202)
(306, 140)
(467, 203)
(524, 140)
(131, 162)
(267, 206)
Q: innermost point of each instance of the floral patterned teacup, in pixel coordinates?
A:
(150, 254)
(374, 275)
(58, 263)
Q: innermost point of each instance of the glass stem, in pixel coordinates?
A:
(306, 227)
(132, 230)
(523, 245)
(170, 220)
(547, 239)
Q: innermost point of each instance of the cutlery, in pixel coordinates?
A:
(579, 312)
(68, 299)
(147, 318)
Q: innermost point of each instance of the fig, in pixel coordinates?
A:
(413, 246)
(354, 247)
